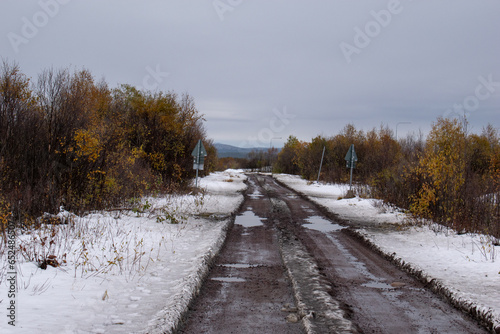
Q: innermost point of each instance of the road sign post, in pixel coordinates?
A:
(321, 163)
(351, 159)
(199, 154)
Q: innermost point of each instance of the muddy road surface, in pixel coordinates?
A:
(287, 268)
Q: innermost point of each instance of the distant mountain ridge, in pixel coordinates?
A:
(225, 151)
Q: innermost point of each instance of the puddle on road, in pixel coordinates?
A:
(239, 265)
(249, 219)
(320, 224)
(229, 279)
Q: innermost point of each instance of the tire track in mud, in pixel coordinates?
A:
(248, 289)
(318, 310)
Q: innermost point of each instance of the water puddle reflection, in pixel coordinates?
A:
(320, 224)
(229, 279)
(249, 219)
(239, 265)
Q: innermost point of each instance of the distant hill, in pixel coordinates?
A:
(224, 151)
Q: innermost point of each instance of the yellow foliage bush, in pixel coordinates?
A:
(87, 144)
(441, 170)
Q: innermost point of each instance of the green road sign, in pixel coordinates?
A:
(351, 158)
(199, 154)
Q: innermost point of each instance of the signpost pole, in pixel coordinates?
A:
(196, 182)
(351, 160)
(321, 163)
(198, 151)
(352, 166)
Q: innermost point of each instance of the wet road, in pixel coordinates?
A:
(287, 268)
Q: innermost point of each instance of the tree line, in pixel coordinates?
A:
(69, 140)
(451, 176)
(258, 160)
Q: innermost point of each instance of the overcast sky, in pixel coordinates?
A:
(261, 70)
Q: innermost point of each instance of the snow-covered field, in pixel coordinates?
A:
(466, 266)
(120, 271)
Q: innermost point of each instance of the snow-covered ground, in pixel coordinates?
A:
(466, 266)
(120, 271)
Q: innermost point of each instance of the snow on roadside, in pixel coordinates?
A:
(121, 271)
(350, 209)
(465, 268)
(313, 189)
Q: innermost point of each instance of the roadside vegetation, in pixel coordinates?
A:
(69, 140)
(451, 177)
